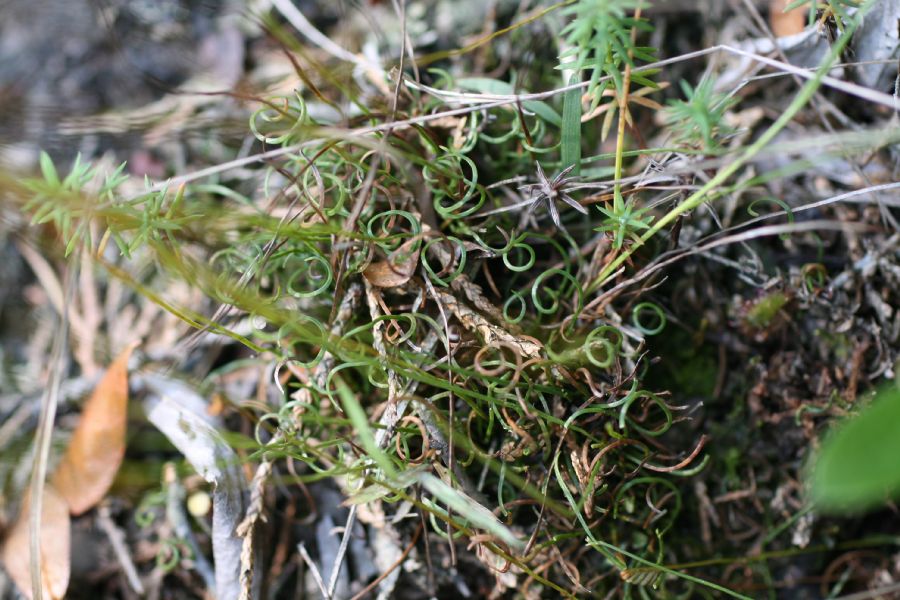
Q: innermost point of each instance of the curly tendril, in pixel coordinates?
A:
(449, 180)
(384, 228)
(289, 117)
(450, 271)
(637, 315)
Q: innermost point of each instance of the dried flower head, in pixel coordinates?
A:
(549, 191)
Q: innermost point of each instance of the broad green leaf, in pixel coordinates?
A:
(858, 467)
(486, 85)
(571, 129)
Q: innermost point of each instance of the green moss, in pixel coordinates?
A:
(839, 344)
(764, 310)
(686, 368)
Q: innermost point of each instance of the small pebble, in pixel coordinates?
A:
(199, 503)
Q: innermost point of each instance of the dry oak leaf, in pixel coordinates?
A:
(786, 23)
(98, 443)
(55, 546)
(397, 269)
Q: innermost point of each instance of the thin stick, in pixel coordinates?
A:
(342, 551)
(450, 405)
(43, 436)
(390, 417)
(881, 592)
(116, 539)
(818, 100)
(850, 197)
(396, 405)
(759, 232)
(618, 202)
(314, 570)
(309, 31)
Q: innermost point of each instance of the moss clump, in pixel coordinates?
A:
(763, 312)
(687, 368)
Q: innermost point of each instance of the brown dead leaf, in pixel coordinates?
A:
(786, 23)
(397, 269)
(98, 444)
(55, 546)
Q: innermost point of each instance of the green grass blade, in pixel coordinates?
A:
(571, 129)
(357, 416)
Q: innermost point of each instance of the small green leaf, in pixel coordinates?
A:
(543, 110)
(495, 86)
(48, 169)
(367, 495)
(486, 85)
(571, 129)
(469, 509)
(857, 468)
(378, 490)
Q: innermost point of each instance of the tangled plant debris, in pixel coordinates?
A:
(459, 313)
